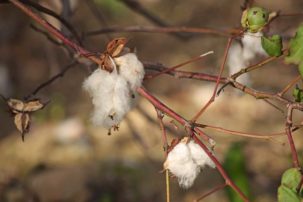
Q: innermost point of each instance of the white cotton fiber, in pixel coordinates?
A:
(113, 93)
(252, 46)
(239, 57)
(180, 163)
(130, 68)
(199, 156)
(236, 62)
(110, 96)
(185, 161)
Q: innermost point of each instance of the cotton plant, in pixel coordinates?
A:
(185, 161)
(112, 88)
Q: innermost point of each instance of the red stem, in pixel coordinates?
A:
(159, 105)
(57, 34)
(288, 131)
(217, 188)
(212, 99)
(219, 167)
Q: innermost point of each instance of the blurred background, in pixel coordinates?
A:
(65, 158)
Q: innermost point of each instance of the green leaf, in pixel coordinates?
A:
(287, 191)
(234, 165)
(298, 94)
(291, 178)
(301, 69)
(287, 195)
(272, 45)
(296, 50)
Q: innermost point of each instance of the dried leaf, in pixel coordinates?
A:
(107, 62)
(33, 105)
(15, 105)
(115, 46)
(22, 122)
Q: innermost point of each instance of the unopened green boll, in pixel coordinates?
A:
(254, 19)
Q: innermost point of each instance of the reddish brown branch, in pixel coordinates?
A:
(149, 29)
(57, 34)
(288, 131)
(219, 167)
(159, 105)
(212, 99)
(55, 15)
(163, 131)
(217, 188)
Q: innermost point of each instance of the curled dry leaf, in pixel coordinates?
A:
(113, 49)
(20, 106)
(22, 122)
(21, 110)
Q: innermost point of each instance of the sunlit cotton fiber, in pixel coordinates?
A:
(110, 96)
(240, 55)
(131, 69)
(185, 161)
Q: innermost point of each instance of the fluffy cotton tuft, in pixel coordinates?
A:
(185, 161)
(113, 92)
(252, 46)
(240, 56)
(131, 69)
(199, 156)
(110, 96)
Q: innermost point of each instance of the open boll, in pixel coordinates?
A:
(131, 69)
(112, 92)
(241, 54)
(186, 160)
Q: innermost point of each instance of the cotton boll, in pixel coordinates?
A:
(236, 62)
(179, 162)
(131, 69)
(110, 97)
(120, 103)
(252, 45)
(199, 156)
(187, 177)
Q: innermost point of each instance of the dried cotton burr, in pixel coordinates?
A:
(186, 160)
(112, 92)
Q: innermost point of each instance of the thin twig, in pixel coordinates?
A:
(217, 188)
(219, 167)
(140, 9)
(57, 34)
(293, 82)
(51, 80)
(212, 99)
(167, 70)
(150, 29)
(255, 66)
(159, 105)
(180, 74)
(163, 131)
(288, 131)
(55, 15)
(239, 133)
(167, 185)
(98, 14)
